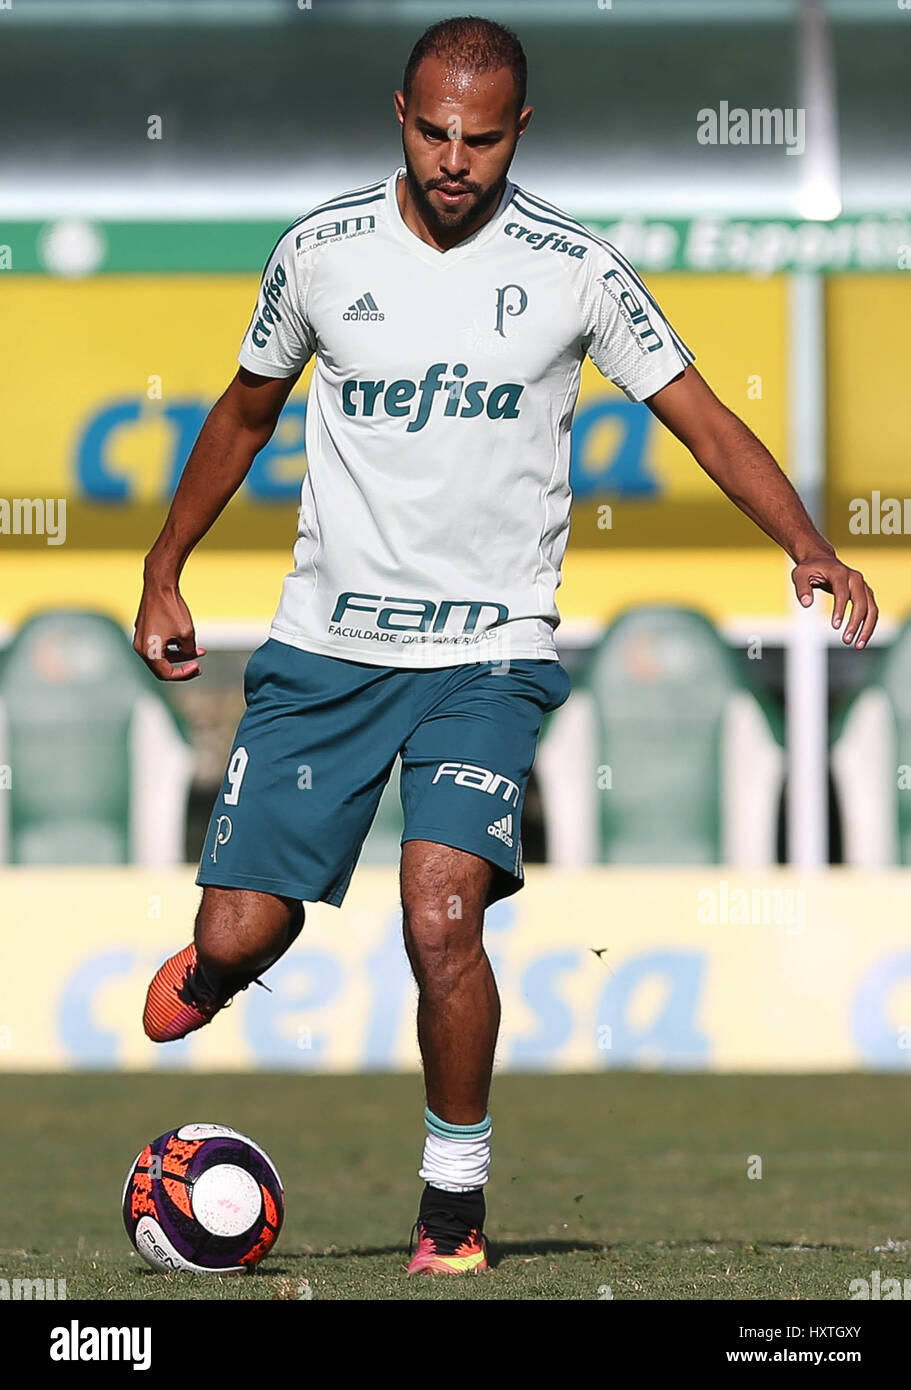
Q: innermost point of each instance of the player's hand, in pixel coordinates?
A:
(165, 635)
(849, 586)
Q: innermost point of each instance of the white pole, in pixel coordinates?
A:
(806, 673)
(806, 677)
(819, 197)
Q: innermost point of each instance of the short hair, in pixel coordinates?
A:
(481, 45)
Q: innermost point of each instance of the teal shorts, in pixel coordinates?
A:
(318, 743)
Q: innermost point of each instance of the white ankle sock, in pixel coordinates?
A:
(456, 1157)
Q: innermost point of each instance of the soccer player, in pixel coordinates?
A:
(449, 312)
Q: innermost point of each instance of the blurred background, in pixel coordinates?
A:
(718, 829)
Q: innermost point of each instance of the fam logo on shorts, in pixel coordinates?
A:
(481, 778)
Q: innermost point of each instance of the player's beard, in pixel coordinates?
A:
(484, 200)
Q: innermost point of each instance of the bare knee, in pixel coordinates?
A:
(444, 892)
(237, 929)
(440, 947)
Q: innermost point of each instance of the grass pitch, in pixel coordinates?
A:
(628, 1182)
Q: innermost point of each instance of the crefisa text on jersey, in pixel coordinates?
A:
(552, 241)
(465, 399)
(269, 314)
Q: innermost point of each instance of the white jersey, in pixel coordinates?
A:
(436, 506)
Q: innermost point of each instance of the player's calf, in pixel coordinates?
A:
(239, 935)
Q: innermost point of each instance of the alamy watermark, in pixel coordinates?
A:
(725, 906)
(876, 1287)
(760, 125)
(879, 516)
(34, 516)
(43, 1290)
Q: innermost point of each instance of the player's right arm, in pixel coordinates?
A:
(278, 343)
(239, 424)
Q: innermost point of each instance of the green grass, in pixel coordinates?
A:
(636, 1181)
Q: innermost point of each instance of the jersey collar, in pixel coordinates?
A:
(442, 259)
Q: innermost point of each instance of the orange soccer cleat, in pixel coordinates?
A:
(175, 1003)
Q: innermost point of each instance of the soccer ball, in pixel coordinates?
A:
(203, 1198)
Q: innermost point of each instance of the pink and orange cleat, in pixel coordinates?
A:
(175, 1005)
(468, 1257)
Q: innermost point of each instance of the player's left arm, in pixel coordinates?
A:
(746, 472)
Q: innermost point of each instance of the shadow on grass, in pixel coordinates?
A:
(506, 1252)
(498, 1251)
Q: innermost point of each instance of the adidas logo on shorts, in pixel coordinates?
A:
(502, 830)
(364, 308)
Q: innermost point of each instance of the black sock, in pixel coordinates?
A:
(210, 981)
(448, 1215)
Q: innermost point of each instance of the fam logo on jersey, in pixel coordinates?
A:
(269, 314)
(539, 240)
(409, 615)
(364, 309)
(415, 399)
(618, 288)
(329, 231)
